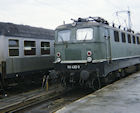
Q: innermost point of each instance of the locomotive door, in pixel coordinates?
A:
(108, 45)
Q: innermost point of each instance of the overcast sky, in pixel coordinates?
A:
(51, 13)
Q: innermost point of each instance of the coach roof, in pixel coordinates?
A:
(10, 29)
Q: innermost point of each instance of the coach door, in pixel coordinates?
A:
(108, 45)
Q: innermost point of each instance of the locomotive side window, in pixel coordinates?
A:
(138, 40)
(13, 47)
(29, 48)
(63, 35)
(45, 48)
(84, 34)
(129, 38)
(123, 37)
(134, 39)
(116, 36)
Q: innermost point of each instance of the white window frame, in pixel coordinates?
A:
(45, 47)
(11, 48)
(29, 48)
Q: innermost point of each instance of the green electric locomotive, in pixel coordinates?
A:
(90, 52)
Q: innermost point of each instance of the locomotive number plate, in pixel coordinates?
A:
(73, 66)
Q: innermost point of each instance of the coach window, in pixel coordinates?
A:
(13, 47)
(84, 34)
(29, 48)
(129, 38)
(123, 37)
(134, 40)
(45, 48)
(116, 36)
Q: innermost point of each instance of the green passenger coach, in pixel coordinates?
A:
(90, 52)
(26, 54)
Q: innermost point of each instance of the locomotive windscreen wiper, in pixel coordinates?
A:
(61, 38)
(85, 37)
(64, 35)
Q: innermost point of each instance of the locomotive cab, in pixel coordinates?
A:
(77, 47)
(82, 44)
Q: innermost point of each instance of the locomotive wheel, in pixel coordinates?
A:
(1, 88)
(94, 84)
(123, 73)
(0, 85)
(2, 91)
(111, 77)
(64, 82)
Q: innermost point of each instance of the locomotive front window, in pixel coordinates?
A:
(13, 47)
(63, 35)
(84, 34)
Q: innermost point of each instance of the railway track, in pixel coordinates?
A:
(55, 98)
(41, 100)
(53, 104)
(23, 101)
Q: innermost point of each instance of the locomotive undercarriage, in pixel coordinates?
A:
(97, 75)
(82, 78)
(95, 81)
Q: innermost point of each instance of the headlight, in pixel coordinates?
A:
(89, 59)
(58, 59)
(89, 53)
(58, 54)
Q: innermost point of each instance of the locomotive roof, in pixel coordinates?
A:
(10, 29)
(79, 24)
(90, 24)
(93, 21)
